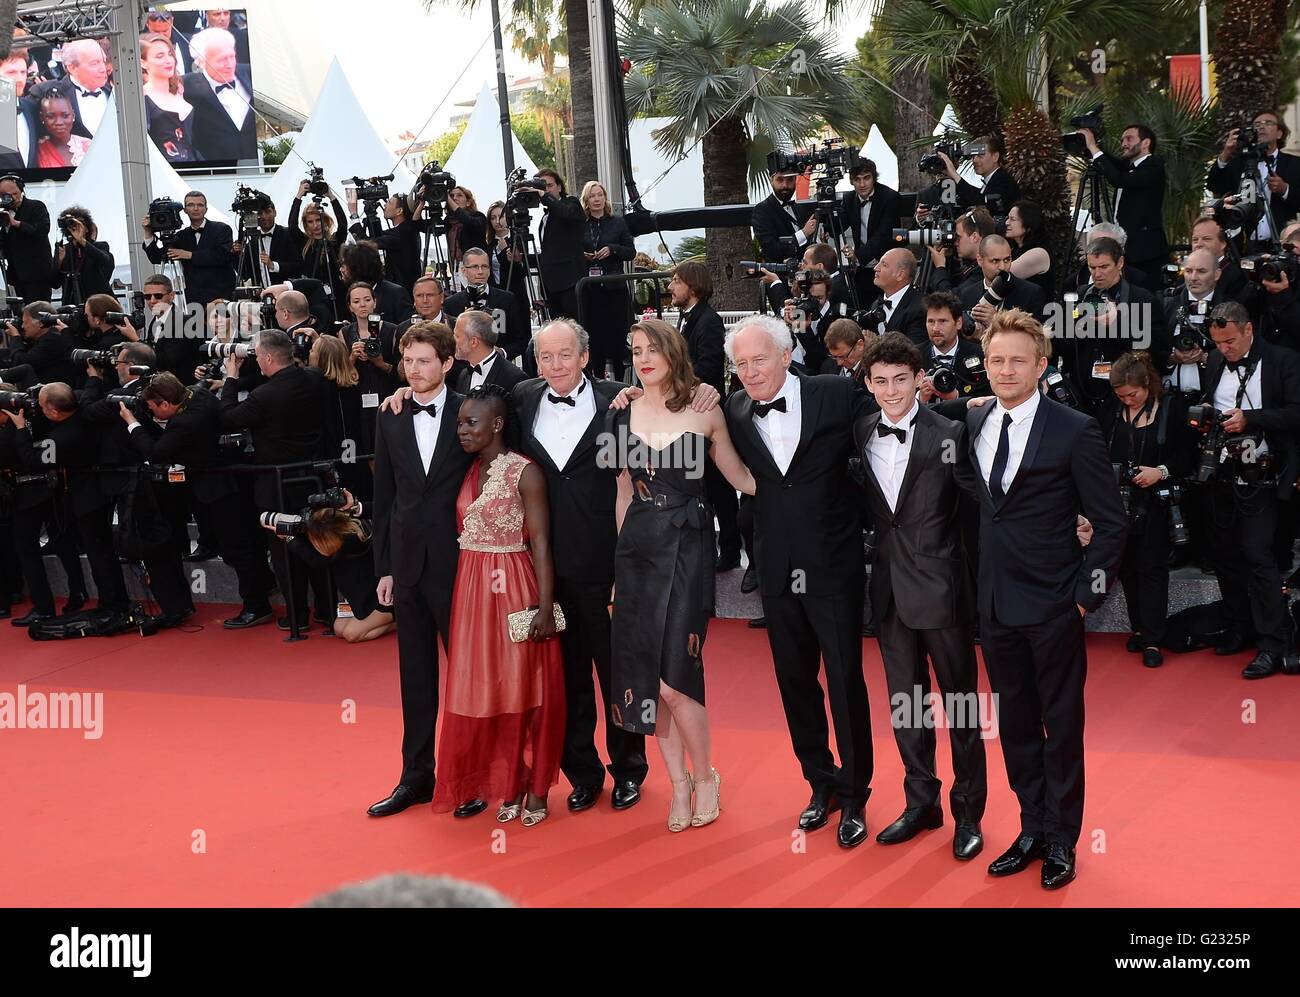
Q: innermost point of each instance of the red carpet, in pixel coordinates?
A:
(237, 741)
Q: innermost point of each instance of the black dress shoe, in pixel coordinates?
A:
(818, 811)
(1152, 658)
(626, 794)
(201, 553)
(1134, 644)
(399, 799)
(5, 612)
(282, 623)
(727, 562)
(34, 616)
(248, 618)
(583, 798)
(853, 827)
(749, 581)
(167, 621)
(1025, 850)
(470, 808)
(868, 630)
(758, 623)
(1266, 663)
(967, 841)
(76, 602)
(913, 821)
(1058, 866)
(1232, 643)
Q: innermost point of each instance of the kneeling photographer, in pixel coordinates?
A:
(333, 534)
(1248, 456)
(1151, 449)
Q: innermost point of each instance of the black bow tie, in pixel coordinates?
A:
(762, 408)
(561, 400)
(882, 431)
(223, 86)
(417, 408)
(90, 93)
(1236, 365)
(476, 368)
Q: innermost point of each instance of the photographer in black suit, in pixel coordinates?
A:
(276, 255)
(920, 588)
(482, 361)
(986, 295)
(1256, 388)
(1039, 464)
(986, 154)
(779, 216)
(561, 261)
(203, 250)
(400, 243)
(43, 347)
(869, 213)
(900, 302)
(82, 265)
(225, 127)
(946, 347)
(1138, 177)
(952, 270)
(476, 269)
(25, 236)
(1187, 316)
(1279, 173)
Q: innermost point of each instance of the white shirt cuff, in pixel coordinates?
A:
(800, 238)
(132, 427)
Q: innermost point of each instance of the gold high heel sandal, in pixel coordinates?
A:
(700, 820)
(509, 811)
(531, 818)
(676, 824)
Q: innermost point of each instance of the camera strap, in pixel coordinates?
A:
(1244, 374)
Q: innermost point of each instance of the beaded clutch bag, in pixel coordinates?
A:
(520, 622)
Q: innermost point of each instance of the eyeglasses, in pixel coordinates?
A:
(154, 297)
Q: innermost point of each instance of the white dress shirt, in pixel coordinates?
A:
(865, 218)
(1225, 395)
(1187, 376)
(428, 426)
(485, 365)
(780, 431)
(799, 237)
(24, 139)
(264, 246)
(891, 303)
(889, 457)
(90, 109)
(559, 427)
(236, 100)
(986, 448)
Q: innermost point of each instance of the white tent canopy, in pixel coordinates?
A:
(477, 161)
(879, 152)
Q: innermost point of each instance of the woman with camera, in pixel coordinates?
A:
(1027, 233)
(372, 344)
(467, 227)
(322, 239)
(607, 315)
(1151, 449)
(83, 266)
(169, 116)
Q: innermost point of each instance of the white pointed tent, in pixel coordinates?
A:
(477, 161)
(879, 152)
(339, 138)
(97, 186)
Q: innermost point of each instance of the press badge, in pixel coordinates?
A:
(176, 474)
(344, 610)
(1101, 369)
(370, 399)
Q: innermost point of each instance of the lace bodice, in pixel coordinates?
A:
(494, 521)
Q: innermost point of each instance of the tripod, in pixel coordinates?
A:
(435, 229)
(1093, 190)
(520, 239)
(828, 218)
(248, 239)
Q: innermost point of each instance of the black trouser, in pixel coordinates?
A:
(27, 544)
(607, 316)
(1144, 573)
(241, 543)
(725, 506)
(166, 564)
(562, 304)
(424, 612)
(586, 639)
(207, 527)
(1243, 521)
(745, 525)
(907, 673)
(95, 528)
(31, 290)
(803, 632)
(1037, 673)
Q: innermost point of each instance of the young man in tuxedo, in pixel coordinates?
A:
(794, 433)
(1279, 173)
(869, 213)
(476, 268)
(481, 360)
(779, 215)
(1038, 465)
(899, 299)
(419, 468)
(1138, 176)
(203, 250)
(276, 255)
(225, 127)
(916, 467)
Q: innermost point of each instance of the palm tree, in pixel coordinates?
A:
(1247, 56)
(739, 77)
(538, 36)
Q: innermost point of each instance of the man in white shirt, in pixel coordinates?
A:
(14, 69)
(87, 84)
(482, 361)
(222, 95)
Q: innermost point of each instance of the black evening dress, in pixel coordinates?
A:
(172, 134)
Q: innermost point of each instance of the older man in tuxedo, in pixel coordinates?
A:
(225, 128)
(481, 360)
(86, 86)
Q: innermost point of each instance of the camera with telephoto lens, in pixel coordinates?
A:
(1094, 302)
(521, 198)
(951, 147)
(243, 441)
(871, 318)
(218, 350)
(801, 290)
(13, 307)
(331, 498)
(51, 319)
(121, 319)
(134, 403)
(27, 402)
(1170, 494)
(1058, 388)
(996, 293)
(1270, 267)
(6, 202)
(266, 311)
(372, 190)
(165, 217)
(103, 359)
(284, 524)
(1073, 142)
(316, 185)
(1189, 328)
(939, 229)
(433, 184)
(751, 268)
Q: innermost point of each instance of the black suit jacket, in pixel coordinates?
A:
(909, 317)
(286, 251)
(48, 355)
(66, 88)
(582, 494)
(283, 414)
(771, 221)
(92, 264)
(75, 446)
(512, 334)
(1285, 208)
(1141, 209)
(886, 215)
(560, 258)
(502, 372)
(1000, 182)
(1279, 417)
(210, 272)
(24, 159)
(1023, 294)
(809, 519)
(115, 449)
(216, 139)
(414, 511)
(401, 247)
(189, 439)
(1032, 567)
(970, 356)
(919, 561)
(704, 334)
(27, 246)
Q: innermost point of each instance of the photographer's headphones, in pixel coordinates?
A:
(16, 179)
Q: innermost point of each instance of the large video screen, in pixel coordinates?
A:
(198, 94)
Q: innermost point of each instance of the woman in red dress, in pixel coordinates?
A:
(503, 716)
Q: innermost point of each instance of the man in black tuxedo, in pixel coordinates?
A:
(225, 127)
(86, 87)
(203, 250)
(900, 300)
(1256, 386)
(1279, 173)
(14, 69)
(979, 298)
(481, 360)
(560, 261)
(868, 216)
(419, 468)
(1187, 313)
(400, 242)
(946, 347)
(920, 589)
(275, 256)
(1039, 464)
(25, 237)
(1138, 177)
(1233, 283)
(1000, 189)
(778, 216)
(794, 433)
(476, 268)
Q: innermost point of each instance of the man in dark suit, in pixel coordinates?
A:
(25, 238)
(86, 87)
(1000, 189)
(203, 250)
(946, 347)
(400, 242)
(1256, 386)
(560, 261)
(1233, 283)
(44, 348)
(846, 343)
(225, 127)
(1187, 313)
(868, 216)
(14, 69)
(794, 433)
(979, 298)
(274, 257)
(900, 300)
(562, 415)
(1039, 464)
(1138, 177)
(1279, 173)
(779, 216)
(419, 468)
(476, 268)
(920, 589)
(482, 361)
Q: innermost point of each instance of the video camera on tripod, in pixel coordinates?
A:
(950, 144)
(1074, 143)
(165, 219)
(828, 165)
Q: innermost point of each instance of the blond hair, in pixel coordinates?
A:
(1015, 320)
(587, 188)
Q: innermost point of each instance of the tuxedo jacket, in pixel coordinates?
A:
(1141, 208)
(1023, 294)
(216, 139)
(502, 372)
(1228, 181)
(909, 317)
(210, 272)
(66, 88)
(1001, 183)
(27, 246)
(286, 250)
(76, 448)
(1279, 416)
(771, 221)
(415, 511)
(24, 159)
(1032, 567)
(886, 215)
(189, 439)
(582, 494)
(705, 334)
(810, 518)
(920, 563)
(515, 336)
(560, 258)
(283, 414)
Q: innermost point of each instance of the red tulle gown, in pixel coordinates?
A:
(503, 715)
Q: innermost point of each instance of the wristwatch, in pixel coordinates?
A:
(1164, 471)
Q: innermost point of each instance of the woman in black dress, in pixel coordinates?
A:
(374, 351)
(663, 565)
(322, 239)
(1027, 234)
(607, 308)
(341, 416)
